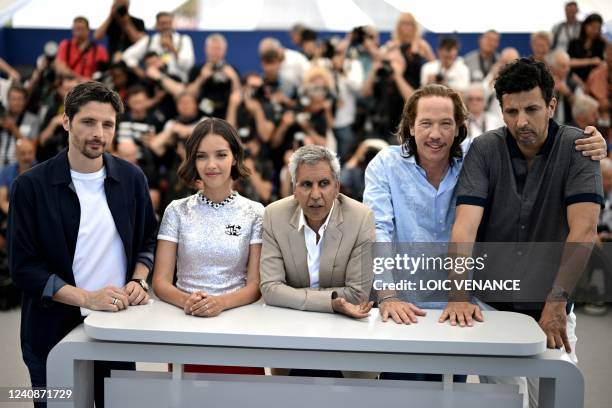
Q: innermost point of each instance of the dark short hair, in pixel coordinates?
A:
(136, 89)
(188, 173)
(523, 75)
(150, 54)
(409, 114)
(271, 55)
(163, 14)
(81, 19)
(448, 42)
(308, 35)
(66, 77)
(90, 91)
(591, 18)
(18, 88)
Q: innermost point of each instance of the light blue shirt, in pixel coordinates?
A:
(407, 208)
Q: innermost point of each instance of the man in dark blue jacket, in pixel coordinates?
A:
(81, 232)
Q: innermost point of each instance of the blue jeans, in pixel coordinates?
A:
(38, 373)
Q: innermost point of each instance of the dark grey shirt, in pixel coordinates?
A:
(527, 205)
(523, 206)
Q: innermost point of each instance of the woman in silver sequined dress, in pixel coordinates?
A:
(214, 236)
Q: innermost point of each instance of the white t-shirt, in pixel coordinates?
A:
(457, 76)
(99, 256)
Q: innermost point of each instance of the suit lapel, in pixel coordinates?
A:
(298, 249)
(331, 245)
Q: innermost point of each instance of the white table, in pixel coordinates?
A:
(507, 344)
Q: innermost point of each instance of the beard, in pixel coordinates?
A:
(90, 152)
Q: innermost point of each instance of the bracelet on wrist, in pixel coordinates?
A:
(388, 297)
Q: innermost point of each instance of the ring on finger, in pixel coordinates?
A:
(114, 301)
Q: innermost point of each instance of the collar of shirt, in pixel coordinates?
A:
(302, 223)
(452, 169)
(515, 151)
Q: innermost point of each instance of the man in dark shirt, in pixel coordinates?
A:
(90, 245)
(121, 28)
(525, 182)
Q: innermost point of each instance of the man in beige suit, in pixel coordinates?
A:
(316, 242)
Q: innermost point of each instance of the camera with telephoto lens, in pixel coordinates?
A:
(329, 48)
(385, 70)
(252, 92)
(358, 36)
(218, 75)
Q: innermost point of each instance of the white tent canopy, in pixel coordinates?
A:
(330, 15)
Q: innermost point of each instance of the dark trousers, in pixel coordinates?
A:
(38, 374)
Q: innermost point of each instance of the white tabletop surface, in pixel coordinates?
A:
(260, 325)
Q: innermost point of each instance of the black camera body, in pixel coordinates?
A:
(358, 36)
(218, 75)
(122, 10)
(385, 70)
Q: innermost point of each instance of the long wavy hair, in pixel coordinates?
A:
(409, 114)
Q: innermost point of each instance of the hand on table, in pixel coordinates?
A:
(462, 312)
(110, 298)
(136, 294)
(342, 306)
(204, 305)
(400, 312)
(554, 323)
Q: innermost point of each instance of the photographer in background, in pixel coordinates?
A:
(54, 138)
(42, 83)
(249, 111)
(169, 148)
(260, 184)
(352, 176)
(175, 49)
(15, 123)
(177, 130)
(348, 80)
(308, 44)
(140, 125)
(80, 56)
(313, 116)
(388, 85)
(448, 69)
(25, 150)
(213, 82)
(292, 65)
(363, 46)
(252, 116)
(122, 29)
(162, 87)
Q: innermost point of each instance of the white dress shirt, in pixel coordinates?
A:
(313, 248)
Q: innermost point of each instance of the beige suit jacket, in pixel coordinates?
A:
(345, 256)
